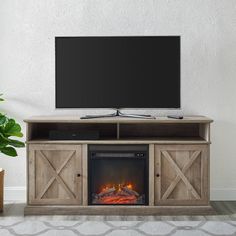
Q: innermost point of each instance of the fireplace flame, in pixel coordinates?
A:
(129, 186)
(117, 194)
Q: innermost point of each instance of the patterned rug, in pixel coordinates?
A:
(116, 228)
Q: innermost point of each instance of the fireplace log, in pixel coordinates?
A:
(106, 192)
(123, 193)
(130, 191)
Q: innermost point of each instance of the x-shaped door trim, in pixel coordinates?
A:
(56, 175)
(180, 175)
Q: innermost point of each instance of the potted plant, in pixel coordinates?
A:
(8, 128)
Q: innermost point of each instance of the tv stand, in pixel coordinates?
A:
(178, 164)
(118, 113)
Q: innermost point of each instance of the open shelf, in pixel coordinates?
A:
(41, 130)
(124, 130)
(158, 130)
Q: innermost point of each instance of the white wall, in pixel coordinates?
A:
(208, 34)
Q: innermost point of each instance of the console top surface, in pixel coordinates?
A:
(76, 119)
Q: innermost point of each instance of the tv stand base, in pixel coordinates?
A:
(119, 210)
(118, 113)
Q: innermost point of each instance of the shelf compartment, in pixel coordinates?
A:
(137, 131)
(160, 131)
(41, 131)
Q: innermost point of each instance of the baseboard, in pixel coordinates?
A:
(223, 194)
(15, 193)
(217, 194)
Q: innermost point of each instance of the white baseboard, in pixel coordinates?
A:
(217, 194)
(15, 193)
(223, 194)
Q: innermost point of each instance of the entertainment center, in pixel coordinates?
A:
(136, 166)
(118, 163)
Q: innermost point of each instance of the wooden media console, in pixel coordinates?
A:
(178, 164)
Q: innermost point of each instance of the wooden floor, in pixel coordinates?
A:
(226, 210)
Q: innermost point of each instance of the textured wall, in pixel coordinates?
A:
(208, 31)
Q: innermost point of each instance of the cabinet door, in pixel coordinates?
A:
(54, 173)
(181, 175)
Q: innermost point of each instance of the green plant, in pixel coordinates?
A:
(9, 128)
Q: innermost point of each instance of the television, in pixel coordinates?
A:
(118, 72)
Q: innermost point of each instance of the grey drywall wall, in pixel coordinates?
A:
(208, 74)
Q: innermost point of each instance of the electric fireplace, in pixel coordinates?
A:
(118, 175)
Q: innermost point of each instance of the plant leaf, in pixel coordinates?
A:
(12, 129)
(16, 134)
(9, 125)
(16, 143)
(1, 99)
(3, 120)
(10, 151)
(3, 140)
(2, 145)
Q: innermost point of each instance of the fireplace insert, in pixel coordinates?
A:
(118, 175)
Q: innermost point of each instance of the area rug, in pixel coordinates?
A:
(116, 228)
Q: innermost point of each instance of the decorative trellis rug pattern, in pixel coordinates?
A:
(116, 228)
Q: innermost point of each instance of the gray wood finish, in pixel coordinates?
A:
(181, 142)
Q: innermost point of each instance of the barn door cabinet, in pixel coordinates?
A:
(55, 174)
(181, 175)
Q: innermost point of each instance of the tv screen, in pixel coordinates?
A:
(118, 72)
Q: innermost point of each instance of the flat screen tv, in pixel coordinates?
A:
(118, 72)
